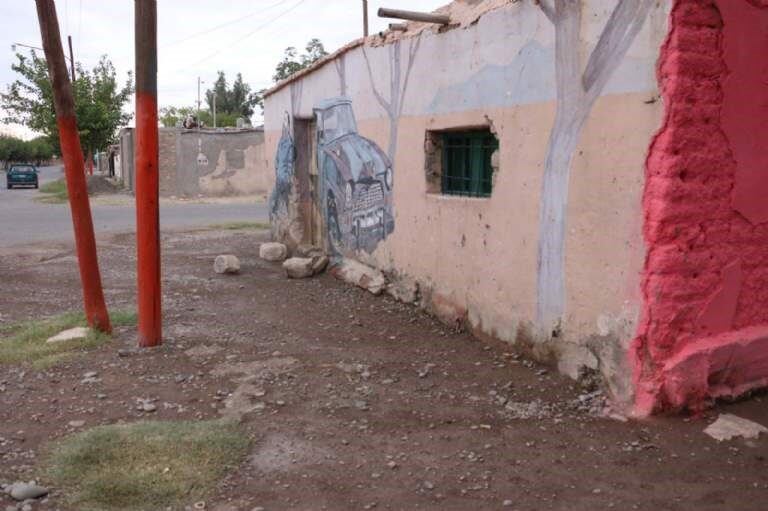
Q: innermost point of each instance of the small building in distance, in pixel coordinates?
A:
(204, 162)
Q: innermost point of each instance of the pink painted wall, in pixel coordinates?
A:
(704, 327)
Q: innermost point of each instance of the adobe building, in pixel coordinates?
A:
(583, 179)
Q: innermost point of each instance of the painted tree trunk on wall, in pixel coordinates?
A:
(552, 214)
(577, 92)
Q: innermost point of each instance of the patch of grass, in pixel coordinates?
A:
(24, 343)
(238, 226)
(145, 465)
(55, 192)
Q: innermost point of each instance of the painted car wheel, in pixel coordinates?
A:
(333, 225)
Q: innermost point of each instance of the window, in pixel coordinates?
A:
(467, 162)
(461, 162)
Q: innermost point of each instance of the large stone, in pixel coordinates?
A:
(360, 275)
(298, 267)
(226, 263)
(24, 491)
(728, 426)
(72, 334)
(273, 251)
(404, 289)
(319, 263)
(306, 250)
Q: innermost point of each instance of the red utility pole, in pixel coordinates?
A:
(85, 242)
(147, 180)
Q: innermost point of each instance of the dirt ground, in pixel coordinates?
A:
(353, 401)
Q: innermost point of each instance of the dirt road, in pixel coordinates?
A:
(352, 401)
(24, 220)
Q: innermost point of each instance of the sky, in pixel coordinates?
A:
(196, 38)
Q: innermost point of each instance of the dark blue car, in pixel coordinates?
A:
(21, 175)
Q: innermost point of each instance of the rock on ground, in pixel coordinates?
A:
(319, 263)
(273, 251)
(24, 491)
(72, 334)
(360, 275)
(305, 250)
(404, 289)
(728, 426)
(298, 267)
(226, 263)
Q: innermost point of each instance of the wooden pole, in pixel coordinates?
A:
(147, 179)
(424, 17)
(69, 139)
(71, 57)
(365, 18)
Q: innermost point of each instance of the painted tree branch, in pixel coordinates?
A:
(397, 87)
(383, 102)
(625, 22)
(547, 9)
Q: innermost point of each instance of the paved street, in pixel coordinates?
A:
(24, 220)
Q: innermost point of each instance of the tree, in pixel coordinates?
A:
(234, 102)
(577, 91)
(292, 62)
(40, 149)
(99, 101)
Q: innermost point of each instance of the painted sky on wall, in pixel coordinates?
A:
(197, 37)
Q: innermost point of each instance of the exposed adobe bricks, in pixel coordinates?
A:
(706, 270)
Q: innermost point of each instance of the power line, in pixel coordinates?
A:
(249, 34)
(225, 24)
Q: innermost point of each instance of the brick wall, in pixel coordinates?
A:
(706, 272)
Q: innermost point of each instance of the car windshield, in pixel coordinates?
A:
(337, 121)
(22, 170)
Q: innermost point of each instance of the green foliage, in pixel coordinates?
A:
(99, 101)
(293, 62)
(37, 150)
(171, 116)
(24, 343)
(232, 102)
(145, 465)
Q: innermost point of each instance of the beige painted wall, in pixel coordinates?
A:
(481, 253)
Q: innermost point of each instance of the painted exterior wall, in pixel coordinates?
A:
(477, 260)
(207, 163)
(704, 332)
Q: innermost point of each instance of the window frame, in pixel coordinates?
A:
(466, 165)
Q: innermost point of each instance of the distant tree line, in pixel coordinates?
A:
(15, 150)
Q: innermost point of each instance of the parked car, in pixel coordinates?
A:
(21, 175)
(357, 179)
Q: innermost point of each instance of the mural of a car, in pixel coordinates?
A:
(357, 180)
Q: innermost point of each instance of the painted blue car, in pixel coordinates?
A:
(357, 179)
(21, 175)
